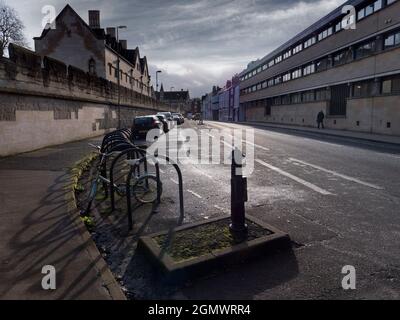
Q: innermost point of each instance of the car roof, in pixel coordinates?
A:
(141, 117)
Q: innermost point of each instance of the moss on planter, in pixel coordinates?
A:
(205, 239)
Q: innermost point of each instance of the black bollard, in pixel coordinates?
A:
(238, 195)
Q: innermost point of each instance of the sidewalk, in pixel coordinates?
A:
(40, 227)
(331, 132)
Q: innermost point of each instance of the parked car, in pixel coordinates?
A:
(196, 117)
(164, 121)
(168, 115)
(178, 117)
(142, 125)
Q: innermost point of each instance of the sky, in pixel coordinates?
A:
(195, 43)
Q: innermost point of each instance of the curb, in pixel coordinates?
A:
(261, 124)
(101, 266)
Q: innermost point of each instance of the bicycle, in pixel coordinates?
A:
(143, 187)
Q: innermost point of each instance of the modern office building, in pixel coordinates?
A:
(346, 64)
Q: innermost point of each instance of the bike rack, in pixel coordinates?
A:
(156, 163)
(131, 153)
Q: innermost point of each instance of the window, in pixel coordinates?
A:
(338, 26)
(296, 98)
(378, 5)
(277, 101)
(286, 99)
(287, 54)
(278, 59)
(265, 67)
(365, 50)
(390, 1)
(286, 77)
(391, 85)
(362, 89)
(271, 63)
(326, 33)
(310, 42)
(270, 82)
(259, 69)
(296, 74)
(309, 69)
(110, 68)
(278, 80)
(321, 94)
(259, 86)
(308, 96)
(370, 9)
(264, 84)
(392, 40)
(298, 48)
(386, 86)
(322, 64)
(342, 57)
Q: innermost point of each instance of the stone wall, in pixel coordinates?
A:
(43, 102)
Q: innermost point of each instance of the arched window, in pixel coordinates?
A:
(92, 66)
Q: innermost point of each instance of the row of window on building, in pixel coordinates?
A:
(359, 51)
(364, 89)
(325, 33)
(128, 78)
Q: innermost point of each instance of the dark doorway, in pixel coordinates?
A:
(338, 103)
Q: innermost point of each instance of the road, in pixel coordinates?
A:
(337, 198)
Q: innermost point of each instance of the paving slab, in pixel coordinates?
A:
(40, 227)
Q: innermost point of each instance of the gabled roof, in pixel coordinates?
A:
(143, 65)
(98, 33)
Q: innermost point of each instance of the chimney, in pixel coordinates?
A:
(124, 44)
(111, 32)
(94, 19)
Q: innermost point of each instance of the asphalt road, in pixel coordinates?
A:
(339, 200)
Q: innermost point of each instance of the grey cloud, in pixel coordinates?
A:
(195, 43)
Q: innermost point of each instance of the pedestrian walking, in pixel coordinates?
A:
(320, 120)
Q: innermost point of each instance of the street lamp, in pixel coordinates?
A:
(159, 71)
(119, 79)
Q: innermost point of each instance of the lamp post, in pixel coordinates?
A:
(159, 71)
(119, 79)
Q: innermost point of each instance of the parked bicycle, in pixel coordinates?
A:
(144, 186)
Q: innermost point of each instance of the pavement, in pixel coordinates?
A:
(40, 227)
(330, 132)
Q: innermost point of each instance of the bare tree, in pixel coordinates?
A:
(11, 28)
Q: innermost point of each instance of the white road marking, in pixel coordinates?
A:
(222, 209)
(297, 179)
(250, 143)
(203, 173)
(338, 174)
(224, 142)
(195, 194)
(257, 146)
(174, 181)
